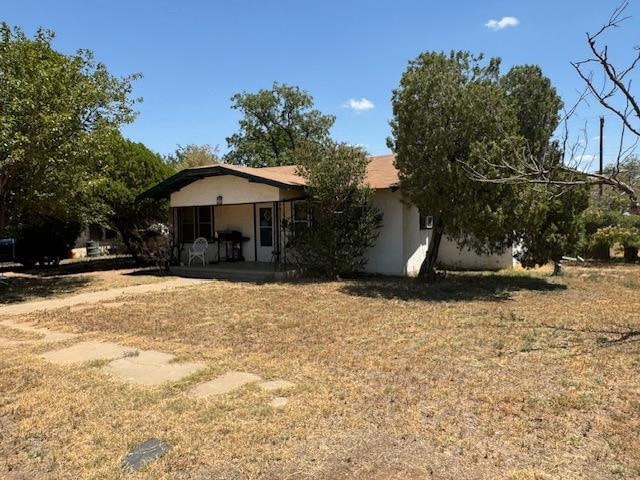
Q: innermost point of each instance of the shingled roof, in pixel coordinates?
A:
(381, 174)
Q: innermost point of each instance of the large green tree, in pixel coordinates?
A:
(56, 112)
(275, 124)
(443, 106)
(129, 169)
(452, 113)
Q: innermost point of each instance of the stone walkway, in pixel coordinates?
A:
(95, 297)
(48, 335)
(139, 367)
(87, 352)
(150, 367)
(232, 381)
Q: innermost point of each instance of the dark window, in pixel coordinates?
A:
(301, 212)
(301, 217)
(186, 218)
(426, 222)
(95, 232)
(266, 227)
(205, 222)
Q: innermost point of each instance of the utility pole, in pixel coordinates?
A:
(601, 150)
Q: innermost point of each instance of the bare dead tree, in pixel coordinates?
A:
(614, 93)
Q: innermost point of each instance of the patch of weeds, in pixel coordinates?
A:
(528, 342)
(132, 353)
(574, 441)
(631, 284)
(180, 405)
(511, 317)
(99, 363)
(617, 470)
(498, 345)
(36, 453)
(593, 277)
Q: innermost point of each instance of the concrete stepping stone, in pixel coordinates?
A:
(151, 367)
(279, 402)
(273, 385)
(225, 383)
(144, 453)
(48, 335)
(88, 352)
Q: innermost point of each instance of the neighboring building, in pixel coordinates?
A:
(243, 208)
(106, 240)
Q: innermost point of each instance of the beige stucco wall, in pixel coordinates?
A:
(386, 256)
(402, 245)
(453, 257)
(233, 190)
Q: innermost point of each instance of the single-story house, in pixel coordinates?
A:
(240, 210)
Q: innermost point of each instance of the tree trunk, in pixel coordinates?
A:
(427, 271)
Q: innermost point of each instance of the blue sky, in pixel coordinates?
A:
(195, 55)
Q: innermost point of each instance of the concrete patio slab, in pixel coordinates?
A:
(273, 385)
(87, 352)
(225, 383)
(151, 367)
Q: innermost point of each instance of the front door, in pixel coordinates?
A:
(265, 233)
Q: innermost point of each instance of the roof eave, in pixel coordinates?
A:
(185, 177)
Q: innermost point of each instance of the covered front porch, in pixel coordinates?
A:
(223, 216)
(246, 240)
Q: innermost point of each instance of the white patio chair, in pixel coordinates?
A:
(198, 250)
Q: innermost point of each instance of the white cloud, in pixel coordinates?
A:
(360, 105)
(504, 22)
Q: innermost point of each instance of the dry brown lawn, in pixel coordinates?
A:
(484, 376)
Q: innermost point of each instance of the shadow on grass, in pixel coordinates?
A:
(20, 289)
(456, 287)
(84, 265)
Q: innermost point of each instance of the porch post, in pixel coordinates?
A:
(276, 236)
(255, 235)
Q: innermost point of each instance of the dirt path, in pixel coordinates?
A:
(94, 297)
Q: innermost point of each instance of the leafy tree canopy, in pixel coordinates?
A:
(454, 112)
(56, 111)
(129, 169)
(343, 224)
(193, 156)
(274, 124)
